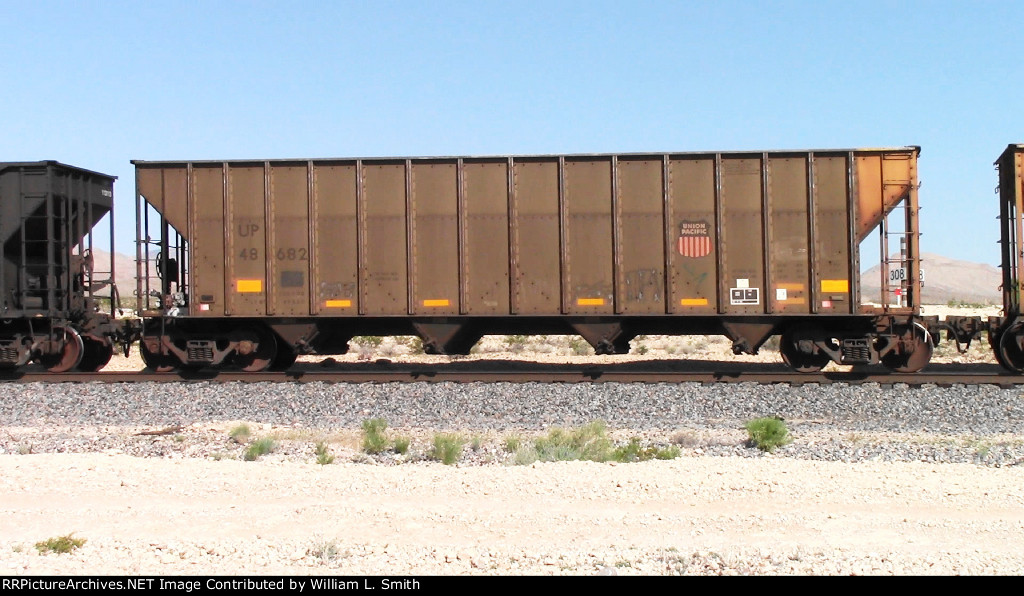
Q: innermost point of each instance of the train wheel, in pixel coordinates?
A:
(1010, 353)
(916, 352)
(799, 352)
(156, 361)
(994, 342)
(95, 356)
(69, 354)
(257, 349)
(285, 358)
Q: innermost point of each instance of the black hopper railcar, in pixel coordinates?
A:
(51, 285)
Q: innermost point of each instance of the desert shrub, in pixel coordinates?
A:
(768, 433)
(323, 455)
(370, 341)
(374, 439)
(589, 442)
(447, 448)
(515, 343)
(633, 452)
(513, 443)
(401, 445)
(325, 550)
(258, 448)
(415, 344)
(60, 545)
(240, 434)
(580, 347)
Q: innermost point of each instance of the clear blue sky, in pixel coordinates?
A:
(96, 84)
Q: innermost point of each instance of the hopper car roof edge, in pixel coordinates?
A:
(1011, 148)
(143, 162)
(51, 162)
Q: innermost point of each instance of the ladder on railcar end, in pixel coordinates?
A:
(91, 281)
(897, 275)
(159, 263)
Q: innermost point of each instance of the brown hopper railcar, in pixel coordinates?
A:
(1006, 333)
(249, 263)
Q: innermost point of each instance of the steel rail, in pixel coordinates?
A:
(525, 372)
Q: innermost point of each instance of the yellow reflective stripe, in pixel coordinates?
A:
(795, 287)
(249, 286)
(338, 303)
(590, 302)
(835, 285)
(437, 302)
(693, 302)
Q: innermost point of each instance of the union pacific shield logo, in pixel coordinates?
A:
(694, 239)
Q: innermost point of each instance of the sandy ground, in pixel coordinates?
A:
(692, 515)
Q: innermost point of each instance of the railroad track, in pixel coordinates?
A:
(385, 371)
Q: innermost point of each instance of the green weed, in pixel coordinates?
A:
(240, 434)
(588, 442)
(516, 343)
(513, 443)
(768, 433)
(633, 452)
(369, 341)
(580, 347)
(258, 448)
(323, 456)
(374, 439)
(60, 545)
(447, 448)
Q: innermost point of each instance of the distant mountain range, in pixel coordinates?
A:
(945, 279)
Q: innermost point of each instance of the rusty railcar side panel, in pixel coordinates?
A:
(288, 224)
(435, 238)
(735, 234)
(485, 237)
(742, 241)
(335, 252)
(587, 270)
(788, 223)
(832, 283)
(208, 243)
(384, 280)
(693, 236)
(1011, 211)
(1016, 184)
(640, 287)
(537, 278)
(247, 241)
